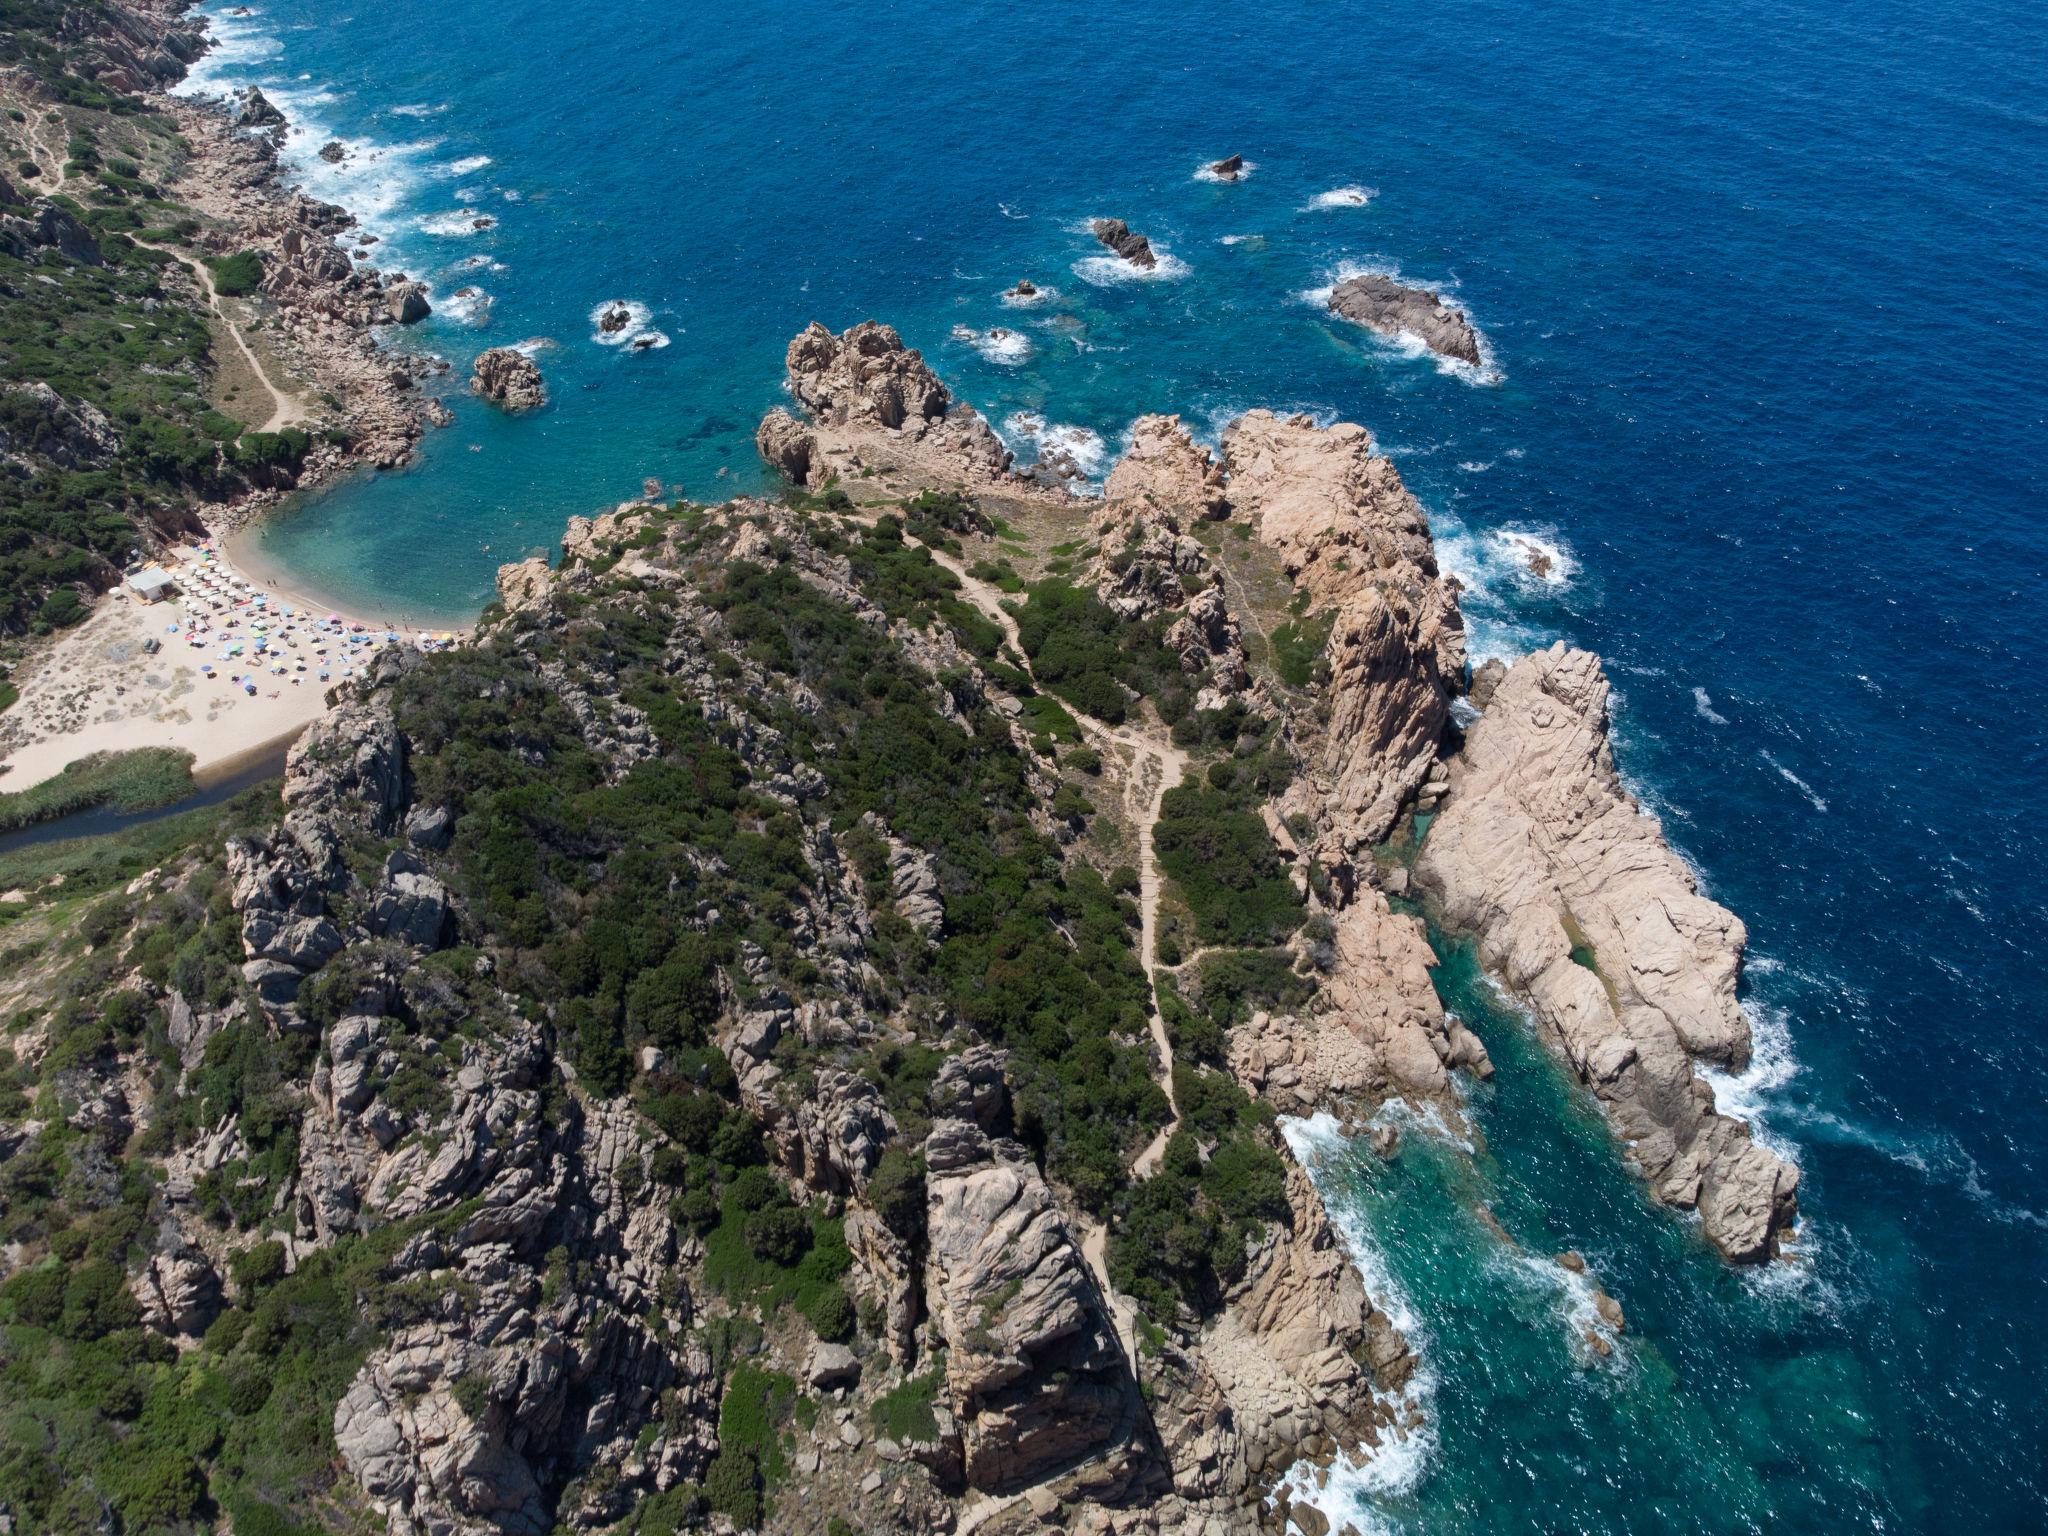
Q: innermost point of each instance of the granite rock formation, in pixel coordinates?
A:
(1582, 908)
(1381, 304)
(508, 378)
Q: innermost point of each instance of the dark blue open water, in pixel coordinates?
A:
(1765, 288)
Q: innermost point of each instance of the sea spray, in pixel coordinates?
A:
(1354, 1486)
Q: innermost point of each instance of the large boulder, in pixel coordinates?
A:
(1034, 1375)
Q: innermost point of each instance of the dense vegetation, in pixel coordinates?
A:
(1091, 658)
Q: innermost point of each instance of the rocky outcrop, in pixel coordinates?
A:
(1381, 304)
(876, 408)
(254, 110)
(406, 303)
(179, 1292)
(46, 226)
(1126, 242)
(508, 378)
(1165, 468)
(1377, 1027)
(1229, 168)
(1034, 1374)
(1352, 537)
(1581, 907)
(523, 584)
(1300, 1352)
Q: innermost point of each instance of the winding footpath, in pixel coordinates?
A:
(1155, 766)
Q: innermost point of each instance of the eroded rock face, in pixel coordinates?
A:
(1353, 538)
(1034, 1373)
(1541, 852)
(254, 110)
(509, 378)
(1300, 1350)
(1380, 304)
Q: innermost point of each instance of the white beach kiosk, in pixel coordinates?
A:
(152, 583)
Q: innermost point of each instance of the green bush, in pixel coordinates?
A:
(236, 275)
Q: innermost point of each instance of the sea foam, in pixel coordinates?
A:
(1360, 1478)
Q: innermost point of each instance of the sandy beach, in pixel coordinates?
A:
(260, 670)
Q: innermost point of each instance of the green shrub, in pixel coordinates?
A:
(238, 274)
(904, 1412)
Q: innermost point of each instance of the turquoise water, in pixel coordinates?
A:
(1764, 291)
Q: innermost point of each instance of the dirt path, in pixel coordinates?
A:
(286, 410)
(1156, 766)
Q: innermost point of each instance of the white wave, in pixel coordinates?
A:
(457, 224)
(236, 44)
(1088, 451)
(1424, 1120)
(418, 109)
(468, 165)
(1475, 466)
(1536, 557)
(1340, 197)
(477, 263)
(1107, 270)
(468, 304)
(1812, 798)
(1254, 242)
(1703, 702)
(1575, 1303)
(998, 344)
(1037, 298)
(1360, 1478)
(1010, 213)
(1206, 171)
(634, 333)
(533, 346)
(1747, 1095)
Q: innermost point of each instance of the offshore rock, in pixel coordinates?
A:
(1380, 304)
(1583, 909)
(508, 378)
(1126, 242)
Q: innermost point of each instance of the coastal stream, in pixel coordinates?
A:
(1722, 436)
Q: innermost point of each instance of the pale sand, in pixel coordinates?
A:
(95, 689)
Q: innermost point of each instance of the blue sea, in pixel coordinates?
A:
(1763, 286)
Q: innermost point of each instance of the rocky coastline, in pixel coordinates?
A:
(361, 403)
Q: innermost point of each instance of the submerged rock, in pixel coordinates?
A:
(1380, 304)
